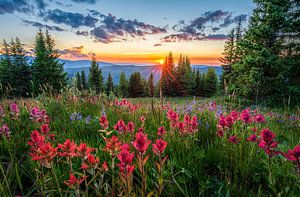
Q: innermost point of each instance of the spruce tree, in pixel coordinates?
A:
(95, 76)
(135, 86)
(83, 80)
(151, 85)
(210, 83)
(78, 81)
(109, 84)
(47, 71)
(6, 75)
(123, 86)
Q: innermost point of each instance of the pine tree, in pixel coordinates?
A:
(211, 82)
(135, 87)
(123, 86)
(151, 85)
(6, 76)
(197, 83)
(168, 76)
(46, 69)
(95, 76)
(78, 81)
(261, 73)
(109, 84)
(188, 81)
(83, 80)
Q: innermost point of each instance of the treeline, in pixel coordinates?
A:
(176, 80)
(262, 63)
(18, 78)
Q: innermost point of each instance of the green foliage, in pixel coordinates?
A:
(210, 82)
(95, 77)
(109, 84)
(46, 69)
(123, 86)
(83, 80)
(151, 85)
(136, 87)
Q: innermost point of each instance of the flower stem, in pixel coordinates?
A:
(56, 180)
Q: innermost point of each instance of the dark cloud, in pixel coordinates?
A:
(214, 29)
(75, 52)
(216, 37)
(41, 4)
(11, 6)
(69, 18)
(181, 37)
(82, 33)
(113, 29)
(40, 25)
(230, 20)
(157, 45)
(85, 1)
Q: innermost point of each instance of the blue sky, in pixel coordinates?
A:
(126, 30)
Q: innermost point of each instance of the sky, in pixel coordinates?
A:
(126, 31)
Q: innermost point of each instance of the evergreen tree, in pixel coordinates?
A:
(261, 74)
(168, 76)
(95, 76)
(123, 86)
(135, 87)
(188, 81)
(109, 84)
(78, 81)
(83, 80)
(6, 66)
(46, 69)
(151, 85)
(197, 83)
(210, 83)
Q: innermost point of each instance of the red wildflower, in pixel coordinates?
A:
(103, 122)
(234, 115)
(252, 138)
(45, 129)
(14, 108)
(245, 116)
(267, 142)
(172, 116)
(73, 182)
(142, 119)
(159, 147)
(222, 121)
(5, 131)
(68, 149)
(120, 126)
(83, 150)
(141, 142)
(44, 154)
(220, 133)
(161, 131)
(130, 127)
(105, 166)
(259, 118)
(194, 123)
(91, 162)
(187, 119)
(229, 121)
(126, 159)
(141, 130)
(37, 140)
(113, 145)
(233, 139)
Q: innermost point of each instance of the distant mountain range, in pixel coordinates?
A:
(72, 67)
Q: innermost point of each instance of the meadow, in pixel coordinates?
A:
(85, 145)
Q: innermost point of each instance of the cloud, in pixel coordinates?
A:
(41, 4)
(157, 45)
(75, 53)
(85, 1)
(40, 25)
(216, 37)
(113, 29)
(230, 20)
(182, 37)
(82, 33)
(11, 6)
(69, 18)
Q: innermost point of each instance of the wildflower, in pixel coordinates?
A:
(88, 119)
(234, 115)
(222, 121)
(126, 159)
(83, 150)
(73, 182)
(45, 129)
(294, 156)
(103, 122)
(36, 141)
(187, 119)
(44, 154)
(220, 133)
(245, 116)
(141, 142)
(68, 149)
(113, 145)
(130, 127)
(159, 147)
(194, 123)
(172, 116)
(141, 130)
(90, 162)
(161, 131)
(120, 126)
(252, 138)
(229, 121)
(233, 139)
(105, 166)
(5, 131)
(2, 113)
(14, 108)
(259, 118)
(181, 127)
(267, 142)
(142, 119)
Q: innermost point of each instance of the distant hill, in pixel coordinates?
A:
(72, 67)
